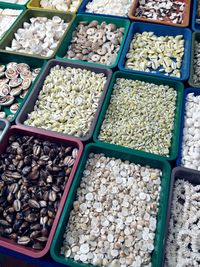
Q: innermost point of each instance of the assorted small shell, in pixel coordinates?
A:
(68, 101)
(156, 54)
(15, 81)
(61, 5)
(7, 18)
(40, 36)
(183, 243)
(94, 42)
(113, 220)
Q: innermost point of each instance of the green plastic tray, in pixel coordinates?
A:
(16, 6)
(12, 6)
(137, 158)
(125, 23)
(195, 37)
(5, 58)
(29, 13)
(178, 86)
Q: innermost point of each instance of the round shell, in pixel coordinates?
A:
(14, 108)
(15, 82)
(16, 91)
(26, 83)
(2, 115)
(4, 90)
(6, 100)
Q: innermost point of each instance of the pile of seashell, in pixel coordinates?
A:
(33, 174)
(113, 221)
(183, 242)
(156, 54)
(109, 7)
(163, 10)
(94, 42)
(190, 153)
(40, 36)
(198, 12)
(68, 101)
(61, 5)
(196, 63)
(7, 18)
(152, 108)
(15, 81)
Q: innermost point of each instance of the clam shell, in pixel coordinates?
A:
(12, 65)
(26, 74)
(2, 68)
(16, 91)
(11, 73)
(6, 100)
(4, 90)
(14, 108)
(26, 83)
(2, 115)
(15, 82)
(22, 67)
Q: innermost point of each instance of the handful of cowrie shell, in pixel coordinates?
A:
(15, 81)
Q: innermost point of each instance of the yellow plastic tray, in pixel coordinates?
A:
(36, 4)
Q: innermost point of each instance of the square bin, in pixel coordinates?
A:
(35, 4)
(30, 103)
(82, 17)
(177, 117)
(82, 10)
(187, 175)
(133, 158)
(186, 92)
(27, 15)
(4, 126)
(6, 58)
(15, 7)
(186, 15)
(195, 26)
(8, 243)
(22, 3)
(159, 30)
(195, 37)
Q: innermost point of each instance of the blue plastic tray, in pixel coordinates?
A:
(195, 26)
(159, 30)
(186, 92)
(82, 8)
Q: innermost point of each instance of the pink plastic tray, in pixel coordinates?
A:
(52, 137)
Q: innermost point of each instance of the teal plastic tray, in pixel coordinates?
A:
(125, 23)
(137, 158)
(178, 86)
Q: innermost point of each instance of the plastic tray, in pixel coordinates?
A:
(36, 4)
(195, 26)
(178, 86)
(66, 42)
(82, 10)
(30, 103)
(5, 58)
(124, 155)
(5, 242)
(12, 6)
(4, 126)
(6, 41)
(159, 30)
(186, 15)
(186, 92)
(186, 174)
(195, 37)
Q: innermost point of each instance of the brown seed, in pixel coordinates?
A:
(34, 204)
(17, 205)
(52, 196)
(24, 240)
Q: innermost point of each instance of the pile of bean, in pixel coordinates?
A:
(196, 62)
(156, 54)
(39, 36)
(33, 174)
(15, 82)
(163, 10)
(7, 18)
(140, 116)
(94, 42)
(109, 7)
(68, 101)
(113, 221)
